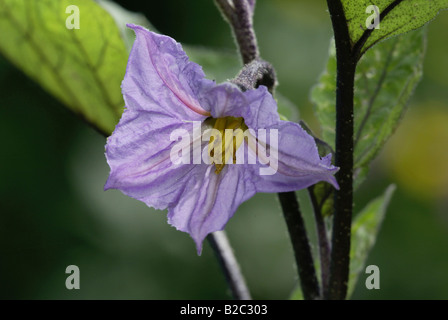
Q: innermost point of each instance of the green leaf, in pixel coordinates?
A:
(323, 96)
(385, 80)
(297, 294)
(323, 191)
(365, 229)
(397, 17)
(81, 67)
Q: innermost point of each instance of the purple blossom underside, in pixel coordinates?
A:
(166, 93)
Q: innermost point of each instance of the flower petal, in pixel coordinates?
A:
(209, 200)
(256, 106)
(138, 153)
(159, 77)
(223, 100)
(261, 110)
(295, 163)
(298, 161)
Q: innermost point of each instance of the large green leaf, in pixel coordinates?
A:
(365, 228)
(81, 67)
(385, 80)
(398, 16)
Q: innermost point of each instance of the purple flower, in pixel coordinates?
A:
(166, 93)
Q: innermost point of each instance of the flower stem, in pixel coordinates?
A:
(239, 15)
(229, 265)
(324, 245)
(343, 203)
(300, 244)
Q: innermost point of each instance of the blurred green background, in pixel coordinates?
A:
(54, 213)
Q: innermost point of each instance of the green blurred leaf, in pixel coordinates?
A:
(402, 16)
(385, 80)
(297, 294)
(81, 67)
(286, 108)
(323, 96)
(323, 191)
(217, 65)
(365, 229)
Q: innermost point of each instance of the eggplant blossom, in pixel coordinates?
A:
(200, 149)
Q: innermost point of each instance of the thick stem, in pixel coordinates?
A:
(229, 265)
(324, 245)
(343, 202)
(300, 244)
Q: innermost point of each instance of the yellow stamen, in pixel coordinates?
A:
(231, 139)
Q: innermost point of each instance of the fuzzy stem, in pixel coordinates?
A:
(324, 245)
(239, 14)
(300, 244)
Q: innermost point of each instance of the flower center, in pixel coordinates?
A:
(225, 141)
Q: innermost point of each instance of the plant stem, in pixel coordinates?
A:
(324, 245)
(239, 15)
(343, 202)
(300, 244)
(229, 265)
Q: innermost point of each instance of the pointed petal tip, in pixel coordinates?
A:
(108, 185)
(198, 240)
(132, 26)
(334, 182)
(327, 159)
(137, 27)
(330, 178)
(111, 182)
(199, 248)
